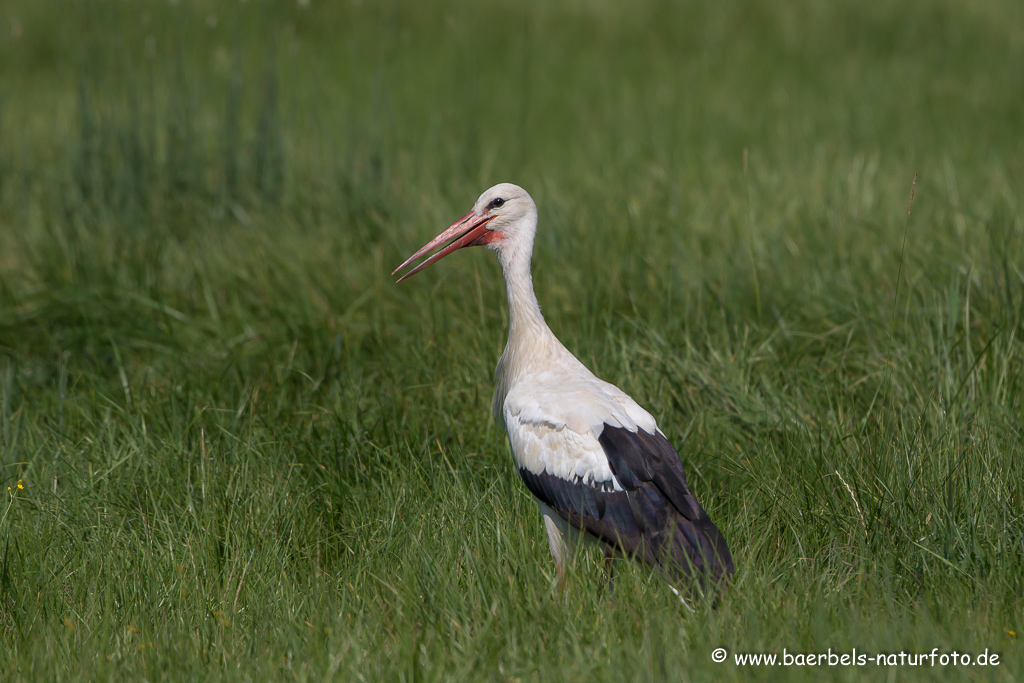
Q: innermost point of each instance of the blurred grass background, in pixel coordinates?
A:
(247, 454)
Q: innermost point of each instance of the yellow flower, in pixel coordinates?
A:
(20, 485)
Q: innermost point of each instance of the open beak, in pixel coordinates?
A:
(468, 231)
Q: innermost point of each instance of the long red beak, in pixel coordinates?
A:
(468, 231)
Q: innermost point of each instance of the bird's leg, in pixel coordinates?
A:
(557, 543)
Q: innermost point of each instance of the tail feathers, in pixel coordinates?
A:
(696, 549)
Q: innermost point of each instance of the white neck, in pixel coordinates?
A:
(525, 322)
(529, 337)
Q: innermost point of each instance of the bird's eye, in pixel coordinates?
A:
(495, 203)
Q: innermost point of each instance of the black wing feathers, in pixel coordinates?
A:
(618, 525)
(656, 518)
(638, 457)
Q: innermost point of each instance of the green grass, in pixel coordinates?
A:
(247, 454)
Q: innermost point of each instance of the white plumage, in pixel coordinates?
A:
(554, 422)
(595, 461)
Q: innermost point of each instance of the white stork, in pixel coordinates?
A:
(594, 460)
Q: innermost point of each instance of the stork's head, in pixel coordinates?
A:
(503, 219)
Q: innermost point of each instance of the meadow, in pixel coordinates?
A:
(231, 448)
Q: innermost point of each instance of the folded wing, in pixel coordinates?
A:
(621, 481)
